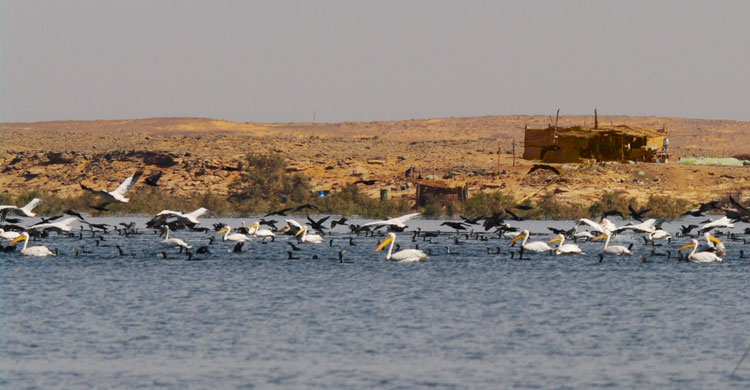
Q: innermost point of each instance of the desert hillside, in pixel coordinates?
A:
(198, 155)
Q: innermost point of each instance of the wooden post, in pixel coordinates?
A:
(557, 116)
(497, 168)
(514, 152)
(596, 120)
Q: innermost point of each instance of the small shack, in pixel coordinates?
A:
(610, 143)
(427, 189)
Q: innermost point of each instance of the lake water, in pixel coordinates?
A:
(460, 320)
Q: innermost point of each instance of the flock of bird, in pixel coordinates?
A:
(313, 232)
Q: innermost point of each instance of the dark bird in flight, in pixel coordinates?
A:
(685, 230)
(341, 221)
(612, 213)
(305, 206)
(271, 223)
(496, 220)
(455, 225)
(101, 206)
(317, 225)
(513, 215)
(153, 179)
(281, 212)
(472, 221)
(637, 215)
(73, 213)
(737, 205)
(702, 208)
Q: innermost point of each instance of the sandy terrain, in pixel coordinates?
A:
(200, 155)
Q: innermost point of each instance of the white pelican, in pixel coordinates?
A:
(399, 222)
(191, 216)
(292, 227)
(173, 241)
(596, 226)
(118, 195)
(659, 235)
(647, 226)
(724, 222)
(63, 225)
(700, 257)
(24, 211)
(311, 238)
(715, 244)
(614, 250)
(9, 235)
(36, 251)
(608, 225)
(404, 256)
(536, 246)
(563, 248)
(256, 231)
(236, 237)
(585, 235)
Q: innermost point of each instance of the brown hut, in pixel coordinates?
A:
(610, 143)
(438, 189)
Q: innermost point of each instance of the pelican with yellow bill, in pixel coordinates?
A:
(535, 246)
(404, 256)
(34, 251)
(700, 257)
(611, 250)
(563, 248)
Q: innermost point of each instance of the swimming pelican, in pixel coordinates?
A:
(565, 249)
(118, 195)
(311, 238)
(24, 211)
(700, 257)
(192, 217)
(256, 231)
(9, 235)
(614, 250)
(536, 246)
(173, 241)
(715, 244)
(404, 256)
(36, 251)
(236, 237)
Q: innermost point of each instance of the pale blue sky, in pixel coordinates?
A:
(279, 61)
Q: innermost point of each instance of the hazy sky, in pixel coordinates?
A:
(280, 61)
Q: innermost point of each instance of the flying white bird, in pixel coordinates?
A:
(399, 222)
(191, 217)
(24, 211)
(118, 195)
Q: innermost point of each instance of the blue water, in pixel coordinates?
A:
(461, 320)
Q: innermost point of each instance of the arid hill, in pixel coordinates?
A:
(199, 155)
